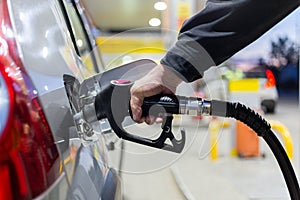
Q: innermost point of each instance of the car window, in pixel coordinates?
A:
(82, 43)
(46, 48)
(91, 32)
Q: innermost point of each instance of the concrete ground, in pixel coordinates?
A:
(150, 174)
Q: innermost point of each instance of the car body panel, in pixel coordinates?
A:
(47, 53)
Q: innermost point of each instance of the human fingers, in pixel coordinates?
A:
(136, 102)
(142, 88)
(150, 85)
(150, 120)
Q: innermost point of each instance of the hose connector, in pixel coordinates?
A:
(194, 106)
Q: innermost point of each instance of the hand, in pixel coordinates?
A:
(159, 80)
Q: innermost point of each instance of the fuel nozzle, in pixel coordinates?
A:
(112, 103)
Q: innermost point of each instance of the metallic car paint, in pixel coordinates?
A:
(47, 52)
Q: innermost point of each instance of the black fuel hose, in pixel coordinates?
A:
(262, 128)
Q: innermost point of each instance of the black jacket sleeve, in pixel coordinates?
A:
(220, 30)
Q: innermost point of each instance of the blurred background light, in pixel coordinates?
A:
(154, 22)
(160, 5)
(79, 42)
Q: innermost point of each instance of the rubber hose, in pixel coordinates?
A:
(284, 163)
(263, 129)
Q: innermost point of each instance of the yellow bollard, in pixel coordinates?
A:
(215, 125)
(214, 128)
(286, 136)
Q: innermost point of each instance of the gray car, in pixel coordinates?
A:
(42, 154)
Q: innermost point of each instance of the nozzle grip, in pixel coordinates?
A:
(113, 103)
(160, 104)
